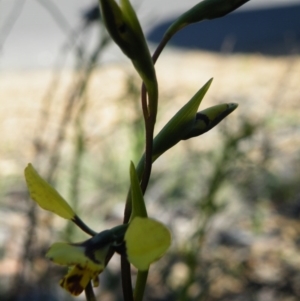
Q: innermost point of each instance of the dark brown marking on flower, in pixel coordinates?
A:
(79, 267)
(72, 284)
(202, 117)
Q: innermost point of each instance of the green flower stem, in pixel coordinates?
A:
(126, 279)
(150, 120)
(166, 38)
(89, 293)
(149, 125)
(125, 265)
(128, 207)
(205, 10)
(83, 226)
(140, 285)
(145, 164)
(133, 194)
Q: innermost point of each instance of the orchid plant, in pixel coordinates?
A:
(140, 240)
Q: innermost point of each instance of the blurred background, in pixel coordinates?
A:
(69, 103)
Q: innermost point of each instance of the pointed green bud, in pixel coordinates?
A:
(126, 34)
(123, 26)
(207, 119)
(45, 195)
(205, 10)
(179, 125)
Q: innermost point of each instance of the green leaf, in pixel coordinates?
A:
(138, 203)
(179, 125)
(146, 241)
(45, 195)
(207, 119)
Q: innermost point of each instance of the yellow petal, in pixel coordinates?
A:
(71, 255)
(45, 195)
(76, 280)
(146, 241)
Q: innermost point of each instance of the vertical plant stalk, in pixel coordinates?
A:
(150, 120)
(140, 285)
(161, 47)
(89, 293)
(149, 128)
(126, 279)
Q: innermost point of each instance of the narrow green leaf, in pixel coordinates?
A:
(138, 203)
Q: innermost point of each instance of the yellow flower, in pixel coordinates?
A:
(86, 260)
(143, 240)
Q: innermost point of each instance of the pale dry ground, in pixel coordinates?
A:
(265, 88)
(258, 84)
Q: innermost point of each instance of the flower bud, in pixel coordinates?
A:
(205, 10)
(207, 119)
(124, 28)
